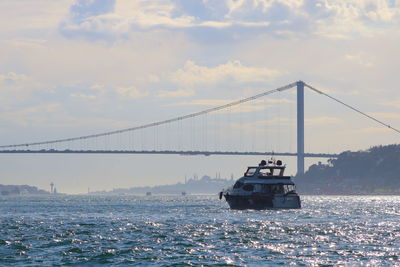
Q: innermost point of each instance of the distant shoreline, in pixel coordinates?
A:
(21, 190)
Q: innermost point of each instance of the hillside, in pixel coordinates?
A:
(372, 171)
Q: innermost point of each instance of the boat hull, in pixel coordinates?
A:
(260, 202)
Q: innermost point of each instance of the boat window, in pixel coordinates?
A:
(288, 188)
(250, 172)
(266, 188)
(266, 172)
(258, 188)
(238, 184)
(248, 187)
(277, 189)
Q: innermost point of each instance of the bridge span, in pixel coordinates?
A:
(100, 143)
(168, 152)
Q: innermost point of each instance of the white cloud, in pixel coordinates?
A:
(161, 13)
(243, 108)
(175, 93)
(275, 101)
(359, 58)
(27, 43)
(255, 124)
(394, 103)
(288, 19)
(123, 18)
(334, 92)
(17, 87)
(348, 19)
(102, 24)
(380, 11)
(54, 115)
(131, 92)
(322, 120)
(150, 14)
(132, 16)
(372, 130)
(31, 115)
(98, 87)
(28, 16)
(252, 106)
(153, 78)
(203, 102)
(83, 96)
(192, 74)
(12, 78)
(335, 19)
(386, 115)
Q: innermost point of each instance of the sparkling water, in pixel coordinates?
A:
(197, 230)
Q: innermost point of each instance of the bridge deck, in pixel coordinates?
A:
(169, 152)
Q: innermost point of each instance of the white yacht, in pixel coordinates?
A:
(263, 187)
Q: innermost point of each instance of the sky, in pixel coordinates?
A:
(73, 68)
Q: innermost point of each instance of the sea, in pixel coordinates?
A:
(199, 230)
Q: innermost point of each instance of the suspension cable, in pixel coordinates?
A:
(353, 108)
(192, 115)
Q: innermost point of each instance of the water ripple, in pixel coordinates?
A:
(197, 230)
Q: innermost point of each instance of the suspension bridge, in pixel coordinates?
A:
(125, 141)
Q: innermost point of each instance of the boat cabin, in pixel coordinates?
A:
(266, 188)
(264, 171)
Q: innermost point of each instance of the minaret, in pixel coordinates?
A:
(51, 188)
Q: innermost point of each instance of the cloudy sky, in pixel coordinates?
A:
(72, 68)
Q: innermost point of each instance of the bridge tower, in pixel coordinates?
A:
(300, 127)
